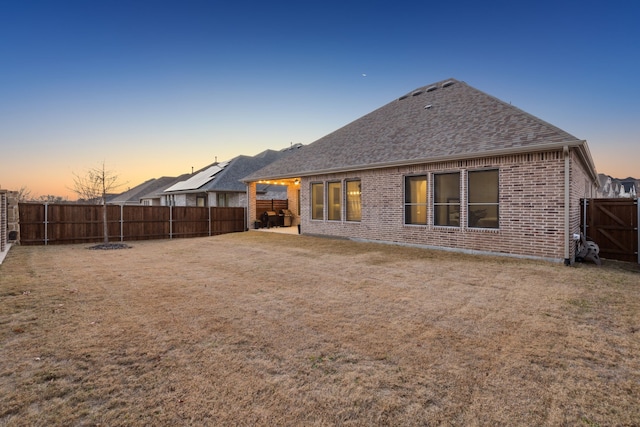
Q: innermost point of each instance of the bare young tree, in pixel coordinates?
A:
(93, 187)
(24, 194)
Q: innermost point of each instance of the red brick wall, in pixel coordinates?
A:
(531, 206)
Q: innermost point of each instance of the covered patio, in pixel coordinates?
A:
(293, 204)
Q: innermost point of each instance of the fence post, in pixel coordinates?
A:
(209, 221)
(170, 222)
(46, 223)
(585, 203)
(121, 223)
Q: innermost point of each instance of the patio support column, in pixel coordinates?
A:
(251, 204)
(292, 197)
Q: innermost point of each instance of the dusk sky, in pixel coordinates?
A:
(154, 88)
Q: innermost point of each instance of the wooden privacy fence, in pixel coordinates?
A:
(55, 224)
(613, 225)
(270, 205)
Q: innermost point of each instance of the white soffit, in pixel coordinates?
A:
(199, 179)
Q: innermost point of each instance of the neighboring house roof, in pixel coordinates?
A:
(230, 179)
(447, 120)
(628, 186)
(133, 195)
(604, 181)
(160, 184)
(615, 187)
(226, 177)
(147, 189)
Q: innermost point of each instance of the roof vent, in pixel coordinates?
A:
(431, 88)
(416, 93)
(403, 97)
(428, 106)
(448, 83)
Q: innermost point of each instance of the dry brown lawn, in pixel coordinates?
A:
(266, 329)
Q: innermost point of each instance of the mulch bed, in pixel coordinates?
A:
(108, 246)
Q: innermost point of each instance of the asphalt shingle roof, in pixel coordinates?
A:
(443, 121)
(146, 189)
(230, 178)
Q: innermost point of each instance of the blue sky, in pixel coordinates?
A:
(154, 88)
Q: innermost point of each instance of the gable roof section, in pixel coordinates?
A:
(447, 120)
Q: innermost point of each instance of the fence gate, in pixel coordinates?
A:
(613, 225)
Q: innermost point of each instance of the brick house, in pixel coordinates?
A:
(445, 166)
(9, 224)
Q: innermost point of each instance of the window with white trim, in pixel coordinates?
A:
(317, 200)
(446, 199)
(334, 201)
(483, 200)
(415, 199)
(222, 199)
(353, 200)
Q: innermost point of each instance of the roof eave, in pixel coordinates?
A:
(586, 157)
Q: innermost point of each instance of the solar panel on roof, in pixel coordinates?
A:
(199, 179)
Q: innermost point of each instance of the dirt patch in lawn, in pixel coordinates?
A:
(266, 329)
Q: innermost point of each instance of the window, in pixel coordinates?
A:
(200, 201)
(415, 200)
(222, 199)
(317, 201)
(354, 200)
(483, 199)
(446, 199)
(334, 201)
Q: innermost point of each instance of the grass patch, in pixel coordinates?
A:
(266, 329)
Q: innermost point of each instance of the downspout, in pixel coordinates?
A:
(567, 200)
(246, 209)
